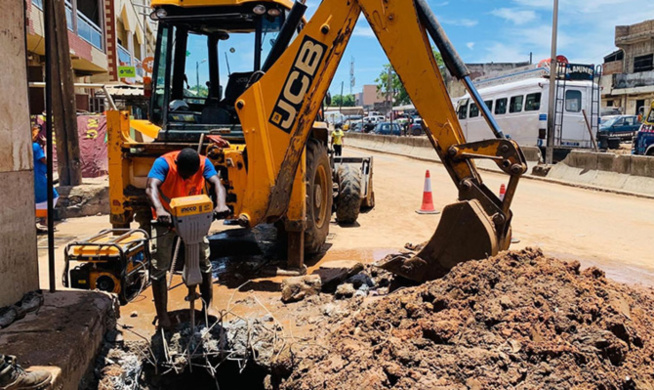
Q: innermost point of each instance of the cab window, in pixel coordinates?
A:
(500, 106)
(532, 102)
(516, 104)
(573, 101)
(474, 110)
(463, 111)
(650, 118)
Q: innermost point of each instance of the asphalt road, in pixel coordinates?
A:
(613, 232)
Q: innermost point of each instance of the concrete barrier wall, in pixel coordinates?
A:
(608, 162)
(420, 147)
(621, 173)
(605, 170)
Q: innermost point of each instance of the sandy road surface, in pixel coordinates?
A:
(611, 231)
(615, 232)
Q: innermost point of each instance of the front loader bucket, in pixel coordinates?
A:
(465, 232)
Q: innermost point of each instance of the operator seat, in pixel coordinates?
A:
(236, 85)
(213, 113)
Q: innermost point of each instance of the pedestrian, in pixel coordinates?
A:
(13, 377)
(173, 175)
(337, 141)
(41, 179)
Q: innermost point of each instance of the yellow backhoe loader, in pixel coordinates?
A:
(255, 117)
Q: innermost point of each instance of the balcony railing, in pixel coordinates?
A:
(86, 28)
(124, 58)
(88, 31)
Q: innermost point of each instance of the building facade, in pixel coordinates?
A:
(628, 82)
(457, 89)
(368, 97)
(103, 35)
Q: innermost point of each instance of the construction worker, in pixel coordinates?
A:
(337, 141)
(13, 377)
(177, 174)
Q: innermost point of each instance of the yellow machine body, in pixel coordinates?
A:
(269, 170)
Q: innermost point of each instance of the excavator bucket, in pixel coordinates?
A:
(465, 232)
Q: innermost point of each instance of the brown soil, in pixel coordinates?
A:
(519, 320)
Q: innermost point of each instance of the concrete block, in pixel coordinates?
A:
(605, 161)
(532, 153)
(641, 166)
(581, 159)
(83, 200)
(622, 164)
(66, 332)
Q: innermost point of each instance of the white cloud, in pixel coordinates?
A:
(515, 15)
(500, 52)
(463, 22)
(470, 45)
(363, 29)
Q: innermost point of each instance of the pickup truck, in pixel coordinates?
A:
(614, 129)
(644, 139)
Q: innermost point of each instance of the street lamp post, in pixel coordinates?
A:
(197, 74)
(549, 155)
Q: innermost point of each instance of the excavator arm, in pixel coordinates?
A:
(277, 113)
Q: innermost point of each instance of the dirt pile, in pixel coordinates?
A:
(519, 319)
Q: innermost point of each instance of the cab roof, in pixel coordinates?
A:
(216, 3)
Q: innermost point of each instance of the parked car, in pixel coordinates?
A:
(617, 128)
(387, 128)
(644, 140)
(355, 127)
(349, 120)
(370, 122)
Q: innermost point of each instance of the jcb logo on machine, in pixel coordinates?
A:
(298, 83)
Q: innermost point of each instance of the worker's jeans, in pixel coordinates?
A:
(163, 255)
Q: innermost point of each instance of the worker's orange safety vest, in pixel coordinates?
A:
(174, 186)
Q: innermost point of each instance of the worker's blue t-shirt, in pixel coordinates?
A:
(40, 175)
(159, 170)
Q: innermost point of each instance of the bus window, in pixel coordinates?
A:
(463, 111)
(500, 106)
(533, 102)
(474, 110)
(573, 101)
(516, 104)
(489, 104)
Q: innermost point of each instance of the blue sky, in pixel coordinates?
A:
(481, 31)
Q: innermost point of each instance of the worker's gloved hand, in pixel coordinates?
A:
(164, 217)
(221, 212)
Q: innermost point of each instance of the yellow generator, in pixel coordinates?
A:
(114, 260)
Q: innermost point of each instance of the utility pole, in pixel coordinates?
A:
(340, 108)
(390, 94)
(551, 112)
(64, 115)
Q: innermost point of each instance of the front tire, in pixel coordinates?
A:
(319, 196)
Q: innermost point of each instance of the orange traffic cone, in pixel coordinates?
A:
(427, 199)
(502, 192)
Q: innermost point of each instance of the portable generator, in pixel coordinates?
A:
(114, 260)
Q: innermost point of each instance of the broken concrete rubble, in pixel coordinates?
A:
(333, 273)
(297, 288)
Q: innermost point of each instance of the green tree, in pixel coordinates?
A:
(397, 90)
(348, 100)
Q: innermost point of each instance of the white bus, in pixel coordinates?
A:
(521, 108)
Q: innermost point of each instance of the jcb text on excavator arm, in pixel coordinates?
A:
(278, 110)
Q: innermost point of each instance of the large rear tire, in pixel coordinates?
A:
(348, 202)
(319, 196)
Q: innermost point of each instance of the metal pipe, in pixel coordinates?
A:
(485, 111)
(39, 84)
(47, 15)
(286, 33)
(551, 112)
